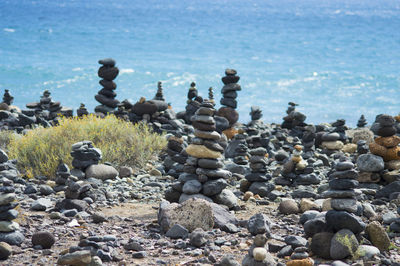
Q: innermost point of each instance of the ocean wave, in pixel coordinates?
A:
(8, 30)
(126, 71)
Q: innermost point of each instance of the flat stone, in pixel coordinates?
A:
(5, 250)
(41, 204)
(76, 258)
(7, 226)
(349, 205)
(177, 231)
(13, 238)
(214, 135)
(343, 220)
(101, 171)
(200, 151)
(6, 198)
(370, 163)
(192, 187)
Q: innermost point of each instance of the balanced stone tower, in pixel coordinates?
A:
(386, 144)
(203, 176)
(193, 103)
(106, 96)
(7, 98)
(258, 253)
(362, 122)
(82, 110)
(229, 95)
(159, 95)
(47, 108)
(84, 154)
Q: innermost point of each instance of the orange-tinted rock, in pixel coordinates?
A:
(388, 142)
(230, 132)
(303, 262)
(388, 154)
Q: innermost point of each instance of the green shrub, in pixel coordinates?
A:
(5, 137)
(122, 143)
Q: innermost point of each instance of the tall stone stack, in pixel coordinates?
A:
(362, 122)
(386, 145)
(7, 98)
(257, 180)
(9, 230)
(106, 96)
(177, 154)
(293, 118)
(193, 103)
(203, 176)
(229, 95)
(342, 183)
(159, 95)
(46, 108)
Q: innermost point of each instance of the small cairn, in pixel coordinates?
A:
(203, 176)
(296, 170)
(257, 180)
(82, 110)
(106, 96)
(242, 155)
(362, 122)
(255, 114)
(84, 154)
(159, 95)
(193, 103)
(229, 92)
(46, 108)
(177, 154)
(293, 118)
(334, 139)
(258, 253)
(308, 140)
(9, 232)
(7, 98)
(386, 144)
(300, 256)
(211, 95)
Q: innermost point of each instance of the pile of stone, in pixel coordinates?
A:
(241, 155)
(294, 118)
(257, 180)
(308, 141)
(362, 122)
(296, 171)
(370, 167)
(258, 253)
(9, 230)
(176, 155)
(192, 104)
(334, 139)
(81, 111)
(7, 98)
(386, 144)
(159, 95)
(228, 101)
(84, 154)
(203, 176)
(106, 96)
(47, 104)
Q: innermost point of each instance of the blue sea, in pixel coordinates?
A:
(336, 58)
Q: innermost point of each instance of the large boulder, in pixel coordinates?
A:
(101, 171)
(370, 163)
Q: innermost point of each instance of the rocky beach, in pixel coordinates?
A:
(222, 191)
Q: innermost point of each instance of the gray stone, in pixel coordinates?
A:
(227, 198)
(192, 187)
(45, 190)
(259, 224)
(349, 205)
(13, 238)
(296, 241)
(370, 163)
(198, 238)
(261, 188)
(321, 244)
(214, 187)
(76, 258)
(5, 250)
(44, 239)
(343, 220)
(343, 244)
(101, 171)
(177, 231)
(41, 204)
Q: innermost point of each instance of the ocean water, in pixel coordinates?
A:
(336, 58)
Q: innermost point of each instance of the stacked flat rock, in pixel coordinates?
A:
(334, 139)
(176, 152)
(9, 230)
(386, 144)
(229, 95)
(7, 98)
(203, 176)
(256, 115)
(106, 96)
(258, 253)
(296, 171)
(159, 95)
(293, 118)
(62, 175)
(242, 155)
(46, 108)
(193, 103)
(121, 112)
(342, 183)
(308, 140)
(84, 154)
(362, 122)
(259, 176)
(82, 110)
(211, 95)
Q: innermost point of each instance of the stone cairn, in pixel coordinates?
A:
(334, 139)
(211, 95)
(362, 122)
(177, 154)
(193, 103)
(82, 110)
(84, 154)
(308, 141)
(46, 108)
(258, 253)
(386, 144)
(159, 95)
(296, 171)
(293, 118)
(229, 95)
(9, 230)
(106, 96)
(7, 98)
(341, 222)
(203, 176)
(257, 180)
